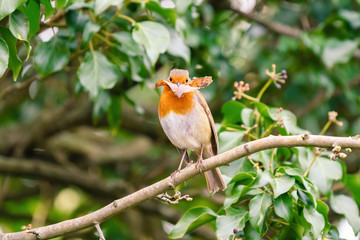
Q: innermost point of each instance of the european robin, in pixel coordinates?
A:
(187, 121)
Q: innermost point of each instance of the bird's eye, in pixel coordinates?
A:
(187, 80)
(170, 79)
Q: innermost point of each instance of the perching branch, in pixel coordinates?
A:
(157, 188)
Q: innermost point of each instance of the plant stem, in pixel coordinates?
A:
(109, 43)
(91, 46)
(268, 191)
(272, 160)
(312, 163)
(279, 221)
(125, 17)
(249, 97)
(267, 84)
(325, 128)
(268, 130)
(252, 136)
(118, 11)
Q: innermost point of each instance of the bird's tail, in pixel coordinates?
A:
(214, 180)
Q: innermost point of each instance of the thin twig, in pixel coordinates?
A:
(311, 164)
(17, 86)
(273, 26)
(98, 228)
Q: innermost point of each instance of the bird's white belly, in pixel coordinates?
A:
(188, 131)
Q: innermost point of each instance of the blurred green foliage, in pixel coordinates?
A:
(73, 61)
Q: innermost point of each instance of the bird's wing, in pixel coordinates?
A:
(214, 137)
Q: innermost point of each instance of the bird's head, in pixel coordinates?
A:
(180, 82)
(177, 76)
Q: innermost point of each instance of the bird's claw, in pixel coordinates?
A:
(174, 174)
(199, 164)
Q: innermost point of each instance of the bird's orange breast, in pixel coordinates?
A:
(170, 103)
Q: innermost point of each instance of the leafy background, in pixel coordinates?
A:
(79, 127)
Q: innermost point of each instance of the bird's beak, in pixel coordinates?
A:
(178, 84)
(160, 83)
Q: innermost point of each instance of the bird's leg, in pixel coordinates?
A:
(199, 163)
(181, 163)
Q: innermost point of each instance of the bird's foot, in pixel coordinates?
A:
(174, 174)
(199, 164)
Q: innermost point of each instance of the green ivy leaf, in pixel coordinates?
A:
(264, 157)
(139, 71)
(283, 206)
(59, 4)
(310, 189)
(289, 120)
(235, 218)
(323, 209)
(127, 44)
(114, 113)
(8, 6)
(240, 165)
(4, 56)
(247, 116)
(258, 208)
(168, 14)
(263, 109)
(51, 56)
(263, 178)
(229, 140)
(281, 185)
(19, 25)
(182, 5)
(102, 104)
(305, 157)
(243, 178)
(345, 205)
(49, 10)
(102, 5)
(32, 11)
(316, 220)
(232, 112)
(233, 193)
(315, 42)
(153, 36)
(89, 30)
(177, 47)
(294, 231)
(352, 182)
(323, 172)
(192, 219)
(96, 72)
(352, 17)
(338, 51)
(14, 62)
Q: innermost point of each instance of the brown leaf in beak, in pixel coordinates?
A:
(160, 83)
(201, 82)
